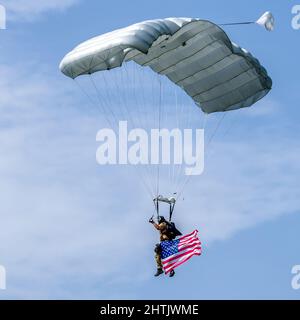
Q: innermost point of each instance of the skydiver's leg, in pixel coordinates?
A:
(172, 273)
(159, 265)
(158, 261)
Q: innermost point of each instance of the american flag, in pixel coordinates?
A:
(176, 252)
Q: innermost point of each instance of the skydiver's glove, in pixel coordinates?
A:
(151, 220)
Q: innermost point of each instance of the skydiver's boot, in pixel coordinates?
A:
(158, 272)
(172, 273)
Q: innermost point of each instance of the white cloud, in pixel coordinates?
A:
(28, 10)
(246, 184)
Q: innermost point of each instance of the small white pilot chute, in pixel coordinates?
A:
(267, 20)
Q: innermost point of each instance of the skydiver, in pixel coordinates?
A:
(162, 227)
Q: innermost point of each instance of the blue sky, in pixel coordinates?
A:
(71, 229)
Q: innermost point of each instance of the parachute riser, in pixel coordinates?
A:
(171, 201)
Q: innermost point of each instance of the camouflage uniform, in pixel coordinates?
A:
(163, 230)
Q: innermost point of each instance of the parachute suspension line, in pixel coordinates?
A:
(159, 125)
(227, 130)
(141, 74)
(167, 113)
(94, 104)
(117, 93)
(103, 112)
(205, 118)
(147, 188)
(172, 207)
(150, 118)
(156, 207)
(172, 178)
(215, 130)
(130, 81)
(100, 107)
(186, 110)
(153, 124)
(100, 101)
(137, 86)
(154, 210)
(207, 148)
(114, 94)
(140, 78)
(231, 124)
(237, 23)
(181, 114)
(210, 140)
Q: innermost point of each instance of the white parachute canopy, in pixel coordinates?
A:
(267, 20)
(196, 55)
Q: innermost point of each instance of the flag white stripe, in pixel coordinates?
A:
(166, 260)
(194, 241)
(181, 259)
(186, 238)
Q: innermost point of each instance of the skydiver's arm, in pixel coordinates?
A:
(156, 226)
(160, 226)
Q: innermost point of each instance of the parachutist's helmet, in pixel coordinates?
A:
(161, 219)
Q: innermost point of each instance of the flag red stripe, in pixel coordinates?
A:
(188, 240)
(178, 263)
(188, 235)
(192, 245)
(194, 241)
(177, 256)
